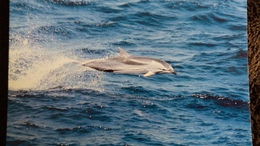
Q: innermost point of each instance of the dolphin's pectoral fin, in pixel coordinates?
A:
(149, 73)
(123, 53)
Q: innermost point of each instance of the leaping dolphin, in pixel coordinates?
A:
(129, 64)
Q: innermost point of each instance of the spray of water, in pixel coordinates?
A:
(32, 67)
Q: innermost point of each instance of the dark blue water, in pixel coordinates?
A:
(53, 100)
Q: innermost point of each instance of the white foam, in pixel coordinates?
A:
(34, 68)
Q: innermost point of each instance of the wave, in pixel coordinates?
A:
(209, 18)
(61, 32)
(223, 101)
(101, 24)
(22, 8)
(70, 2)
(240, 54)
(199, 44)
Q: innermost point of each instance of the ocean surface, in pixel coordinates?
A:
(54, 100)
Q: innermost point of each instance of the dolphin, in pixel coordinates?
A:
(126, 63)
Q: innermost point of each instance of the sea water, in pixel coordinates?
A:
(54, 100)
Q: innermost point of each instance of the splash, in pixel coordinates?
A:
(36, 68)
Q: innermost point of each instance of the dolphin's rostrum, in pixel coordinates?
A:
(129, 64)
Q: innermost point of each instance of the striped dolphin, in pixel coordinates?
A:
(126, 63)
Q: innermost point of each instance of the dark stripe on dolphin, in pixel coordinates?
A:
(101, 69)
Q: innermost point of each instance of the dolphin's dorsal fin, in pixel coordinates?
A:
(149, 73)
(123, 52)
